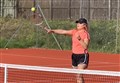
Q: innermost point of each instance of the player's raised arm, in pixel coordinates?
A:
(59, 31)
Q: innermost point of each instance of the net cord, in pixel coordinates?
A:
(61, 70)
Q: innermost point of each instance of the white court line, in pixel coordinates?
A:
(104, 66)
(34, 56)
(103, 62)
(89, 65)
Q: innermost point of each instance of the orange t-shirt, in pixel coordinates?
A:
(76, 46)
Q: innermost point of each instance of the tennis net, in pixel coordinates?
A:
(11, 73)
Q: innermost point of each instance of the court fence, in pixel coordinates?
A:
(63, 9)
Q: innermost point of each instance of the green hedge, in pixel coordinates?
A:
(103, 35)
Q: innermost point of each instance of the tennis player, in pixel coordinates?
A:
(80, 41)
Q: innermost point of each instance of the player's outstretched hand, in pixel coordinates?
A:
(48, 30)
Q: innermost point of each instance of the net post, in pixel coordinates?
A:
(5, 73)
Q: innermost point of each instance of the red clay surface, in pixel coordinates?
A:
(54, 58)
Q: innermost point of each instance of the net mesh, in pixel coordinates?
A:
(35, 74)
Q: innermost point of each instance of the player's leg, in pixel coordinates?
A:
(80, 78)
(82, 64)
(74, 63)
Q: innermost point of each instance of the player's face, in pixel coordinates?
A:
(81, 26)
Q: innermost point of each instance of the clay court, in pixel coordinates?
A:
(54, 58)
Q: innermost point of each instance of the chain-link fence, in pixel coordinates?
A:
(8, 8)
(63, 9)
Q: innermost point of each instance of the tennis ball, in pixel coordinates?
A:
(33, 9)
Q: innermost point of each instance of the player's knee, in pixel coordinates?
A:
(82, 66)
